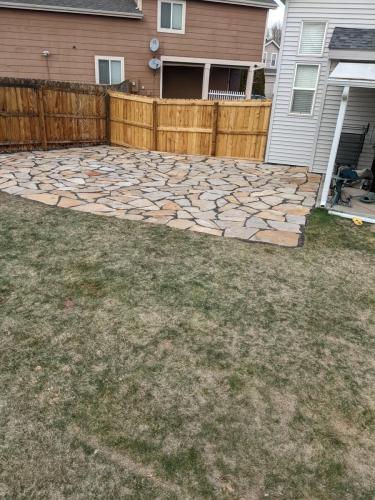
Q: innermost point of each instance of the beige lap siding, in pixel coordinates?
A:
(213, 30)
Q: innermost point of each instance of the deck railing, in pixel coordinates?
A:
(225, 95)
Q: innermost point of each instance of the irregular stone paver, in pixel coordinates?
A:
(281, 238)
(217, 196)
(244, 233)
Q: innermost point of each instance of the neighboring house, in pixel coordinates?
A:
(204, 44)
(318, 94)
(271, 56)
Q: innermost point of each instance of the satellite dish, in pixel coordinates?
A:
(154, 64)
(154, 45)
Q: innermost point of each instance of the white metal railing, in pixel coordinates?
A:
(225, 95)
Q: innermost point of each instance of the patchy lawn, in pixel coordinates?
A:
(143, 362)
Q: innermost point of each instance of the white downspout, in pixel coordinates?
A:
(335, 146)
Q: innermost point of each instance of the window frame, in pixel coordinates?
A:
(314, 21)
(274, 65)
(171, 30)
(315, 90)
(109, 58)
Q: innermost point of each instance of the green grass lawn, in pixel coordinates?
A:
(143, 362)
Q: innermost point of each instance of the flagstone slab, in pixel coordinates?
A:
(69, 203)
(290, 209)
(93, 207)
(284, 226)
(180, 223)
(206, 230)
(257, 222)
(48, 199)
(271, 215)
(243, 233)
(280, 238)
(215, 196)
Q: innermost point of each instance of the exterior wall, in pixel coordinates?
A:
(360, 112)
(269, 84)
(213, 30)
(293, 139)
(268, 51)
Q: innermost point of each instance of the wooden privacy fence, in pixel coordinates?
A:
(232, 129)
(34, 117)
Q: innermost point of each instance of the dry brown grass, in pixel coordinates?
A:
(144, 362)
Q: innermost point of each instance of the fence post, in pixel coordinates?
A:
(42, 121)
(154, 145)
(108, 117)
(215, 114)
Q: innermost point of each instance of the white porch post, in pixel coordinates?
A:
(161, 80)
(249, 83)
(335, 146)
(206, 80)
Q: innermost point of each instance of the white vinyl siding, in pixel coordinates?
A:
(293, 138)
(304, 91)
(312, 38)
(360, 112)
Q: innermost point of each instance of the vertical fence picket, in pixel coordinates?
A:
(42, 120)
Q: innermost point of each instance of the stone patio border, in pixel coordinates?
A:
(217, 196)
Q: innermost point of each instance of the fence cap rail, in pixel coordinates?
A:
(195, 102)
(131, 97)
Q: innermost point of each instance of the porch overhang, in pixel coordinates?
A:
(353, 74)
(346, 75)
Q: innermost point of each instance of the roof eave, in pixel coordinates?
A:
(262, 4)
(274, 43)
(70, 10)
(342, 82)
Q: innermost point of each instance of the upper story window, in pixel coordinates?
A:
(171, 16)
(109, 70)
(304, 89)
(273, 60)
(312, 38)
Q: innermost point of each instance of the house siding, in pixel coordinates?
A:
(269, 50)
(296, 140)
(269, 84)
(360, 112)
(214, 31)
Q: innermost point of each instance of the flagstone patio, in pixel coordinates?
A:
(217, 196)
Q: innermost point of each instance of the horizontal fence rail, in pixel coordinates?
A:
(32, 118)
(40, 117)
(231, 128)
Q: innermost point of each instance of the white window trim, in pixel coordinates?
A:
(109, 58)
(273, 65)
(315, 89)
(307, 21)
(171, 30)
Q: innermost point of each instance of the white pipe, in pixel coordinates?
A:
(369, 220)
(335, 146)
